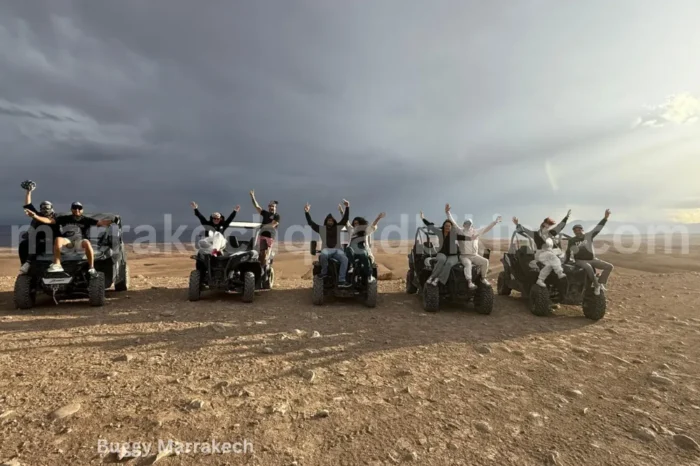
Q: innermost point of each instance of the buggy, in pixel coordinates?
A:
(74, 282)
(421, 261)
(236, 269)
(361, 286)
(521, 270)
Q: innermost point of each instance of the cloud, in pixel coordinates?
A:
(679, 109)
(12, 110)
(685, 215)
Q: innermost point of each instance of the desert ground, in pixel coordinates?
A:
(342, 384)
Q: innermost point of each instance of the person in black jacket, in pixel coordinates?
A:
(581, 248)
(216, 221)
(332, 245)
(448, 251)
(39, 234)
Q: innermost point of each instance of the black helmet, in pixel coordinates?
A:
(46, 208)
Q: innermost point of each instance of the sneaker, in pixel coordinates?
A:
(562, 275)
(541, 283)
(344, 284)
(485, 282)
(602, 287)
(55, 268)
(25, 268)
(596, 290)
(371, 279)
(92, 272)
(471, 285)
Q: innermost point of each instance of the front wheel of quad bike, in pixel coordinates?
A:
(24, 295)
(317, 291)
(539, 301)
(431, 298)
(123, 283)
(483, 299)
(195, 287)
(96, 290)
(371, 298)
(410, 287)
(501, 286)
(594, 306)
(248, 287)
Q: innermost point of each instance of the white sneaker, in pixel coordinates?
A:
(602, 287)
(371, 279)
(596, 290)
(55, 268)
(471, 285)
(25, 268)
(541, 283)
(485, 282)
(92, 272)
(563, 275)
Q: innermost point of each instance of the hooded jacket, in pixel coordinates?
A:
(581, 247)
(330, 235)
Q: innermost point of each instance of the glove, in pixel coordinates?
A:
(28, 185)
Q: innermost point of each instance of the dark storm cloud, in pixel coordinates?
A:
(143, 106)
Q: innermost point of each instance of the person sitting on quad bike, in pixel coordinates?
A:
(469, 250)
(270, 222)
(360, 232)
(332, 248)
(548, 248)
(75, 228)
(37, 239)
(215, 223)
(448, 252)
(581, 249)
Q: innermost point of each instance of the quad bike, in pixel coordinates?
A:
(74, 282)
(520, 273)
(421, 261)
(236, 269)
(363, 286)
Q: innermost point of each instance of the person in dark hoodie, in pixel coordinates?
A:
(583, 252)
(332, 246)
(216, 221)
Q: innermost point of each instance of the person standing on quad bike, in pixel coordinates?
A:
(360, 231)
(548, 248)
(330, 236)
(583, 252)
(76, 233)
(469, 250)
(37, 238)
(216, 222)
(448, 252)
(270, 222)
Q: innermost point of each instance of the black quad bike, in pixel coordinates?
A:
(361, 287)
(421, 261)
(74, 282)
(520, 273)
(236, 269)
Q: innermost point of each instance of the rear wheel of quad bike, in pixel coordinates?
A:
(24, 295)
(96, 290)
(483, 299)
(248, 287)
(410, 287)
(594, 306)
(317, 291)
(195, 289)
(501, 286)
(123, 283)
(371, 298)
(431, 298)
(539, 301)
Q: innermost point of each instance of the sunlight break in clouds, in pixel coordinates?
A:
(686, 215)
(679, 109)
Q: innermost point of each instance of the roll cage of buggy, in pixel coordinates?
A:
(235, 269)
(360, 285)
(421, 262)
(74, 282)
(521, 271)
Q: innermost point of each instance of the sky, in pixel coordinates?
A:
(525, 108)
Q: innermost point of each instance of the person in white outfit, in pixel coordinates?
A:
(548, 248)
(469, 249)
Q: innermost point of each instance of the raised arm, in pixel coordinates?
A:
(255, 203)
(598, 228)
(314, 226)
(230, 218)
(521, 229)
(557, 229)
(28, 196)
(490, 226)
(197, 214)
(376, 220)
(346, 214)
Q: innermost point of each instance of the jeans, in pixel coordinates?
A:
(362, 258)
(590, 265)
(337, 254)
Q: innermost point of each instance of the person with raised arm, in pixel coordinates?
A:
(448, 251)
(580, 248)
(39, 235)
(270, 223)
(360, 246)
(215, 222)
(332, 247)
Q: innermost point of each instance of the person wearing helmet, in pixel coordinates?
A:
(330, 237)
(269, 224)
(38, 235)
(75, 229)
(580, 248)
(216, 222)
(469, 250)
(548, 248)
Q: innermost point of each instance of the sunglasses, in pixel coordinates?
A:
(76, 208)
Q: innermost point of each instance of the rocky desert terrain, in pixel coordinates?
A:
(341, 384)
